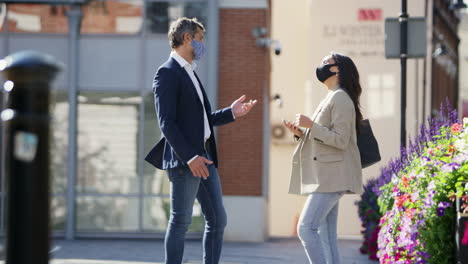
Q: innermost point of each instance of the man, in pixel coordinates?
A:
(188, 147)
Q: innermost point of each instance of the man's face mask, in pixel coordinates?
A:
(199, 49)
(323, 72)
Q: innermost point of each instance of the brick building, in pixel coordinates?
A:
(113, 192)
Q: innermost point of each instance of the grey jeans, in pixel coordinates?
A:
(317, 228)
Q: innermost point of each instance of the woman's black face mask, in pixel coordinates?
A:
(323, 72)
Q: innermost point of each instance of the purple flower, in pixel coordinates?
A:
(425, 160)
(431, 186)
(428, 201)
(422, 221)
(440, 211)
(415, 196)
(423, 254)
(449, 167)
(460, 158)
(444, 204)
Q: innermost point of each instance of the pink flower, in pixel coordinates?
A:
(430, 151)
(456, 128)
(400, 200)
(405, 181)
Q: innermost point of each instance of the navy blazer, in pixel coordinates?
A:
(180, 115)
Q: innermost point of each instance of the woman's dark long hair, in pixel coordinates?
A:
(348, 78)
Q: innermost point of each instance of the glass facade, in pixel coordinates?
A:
(107, 143)
(123, 17)
(36, 18)
(116, 191)
(59, 157)
(111, 194)
(160, 14)
(112, 17)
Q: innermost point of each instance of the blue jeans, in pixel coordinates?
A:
(184, 189)
(317, 228)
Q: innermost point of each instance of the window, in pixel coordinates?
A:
(37, 18)
(59, 158)
(107, 143)
(112, 17)
(159, 15)
(381, 95)
(111, 196)
(99, 17)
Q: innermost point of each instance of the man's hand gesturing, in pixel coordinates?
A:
(198, 167)
(240, 109)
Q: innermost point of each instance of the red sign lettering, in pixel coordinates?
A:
(366, 14)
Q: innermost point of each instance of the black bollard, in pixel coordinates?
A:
(27, 121)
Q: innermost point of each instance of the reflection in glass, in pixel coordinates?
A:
(107, 143)
(58, 212)
(112, 17)
(156, 212)
(155, 181)
(3, 20)
(107, 213)
(99, 17)
(2, 144)
(59, 142)
(198, 220)
(159, 15)
(37, 18)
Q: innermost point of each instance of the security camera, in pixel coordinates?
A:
(260, 35)
(278, 100)
(277, 47)
(270, 43)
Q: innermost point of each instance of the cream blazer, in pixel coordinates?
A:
(327, 158)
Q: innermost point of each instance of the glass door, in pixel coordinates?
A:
(116, 190)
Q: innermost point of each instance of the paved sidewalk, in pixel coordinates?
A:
(275, 251)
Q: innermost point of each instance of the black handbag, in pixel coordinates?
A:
(367, 144)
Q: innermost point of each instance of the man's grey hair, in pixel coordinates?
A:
(181, 26)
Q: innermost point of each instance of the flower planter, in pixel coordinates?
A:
(416, 195)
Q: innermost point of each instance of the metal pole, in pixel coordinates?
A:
(403, 19)
(2, 162)
(141, 123)
(213, 54)
(6, 48)
(266, 141)
(28, 76)
(74, 22)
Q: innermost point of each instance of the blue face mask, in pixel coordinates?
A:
(199, 49)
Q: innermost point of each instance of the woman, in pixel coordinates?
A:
(326, 163)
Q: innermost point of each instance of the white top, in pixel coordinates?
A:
(189, 68)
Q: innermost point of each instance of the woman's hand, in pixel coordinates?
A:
(294, 129)
(303, 121)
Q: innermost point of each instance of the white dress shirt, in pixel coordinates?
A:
(189, 68)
